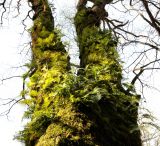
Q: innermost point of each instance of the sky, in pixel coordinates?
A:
(13, 55)
(10, 88)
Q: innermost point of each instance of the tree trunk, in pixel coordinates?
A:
(115, 117)
(90, 109)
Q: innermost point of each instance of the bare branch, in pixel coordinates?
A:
(8, 78)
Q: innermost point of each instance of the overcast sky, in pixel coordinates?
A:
(11, 88)
(10, 57)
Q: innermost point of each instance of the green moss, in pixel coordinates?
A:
(85, 110)
(104, 97)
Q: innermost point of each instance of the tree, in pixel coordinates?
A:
(61, 110)
(92, 107)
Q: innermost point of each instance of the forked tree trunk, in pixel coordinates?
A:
(90, 109)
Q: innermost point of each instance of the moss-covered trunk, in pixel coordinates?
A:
(90, 109)
(115, 110)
